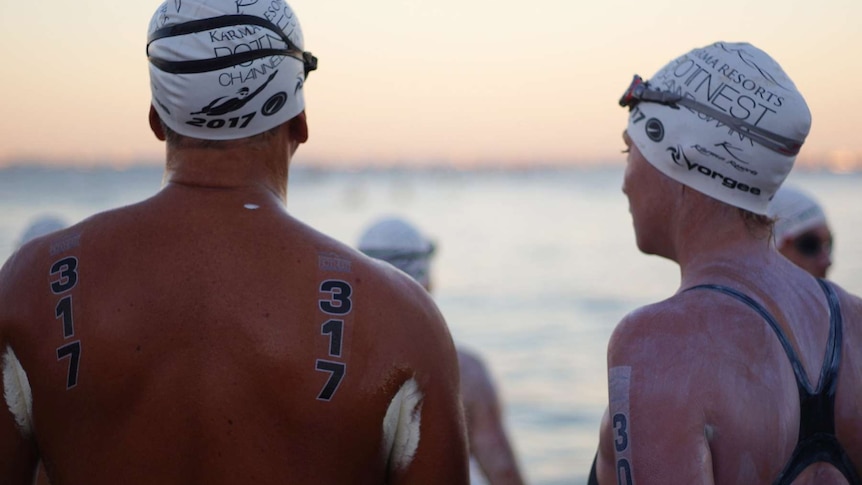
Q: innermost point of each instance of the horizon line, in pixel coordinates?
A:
(840, 167)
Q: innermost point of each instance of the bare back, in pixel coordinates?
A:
(703, 392)
(205, 336)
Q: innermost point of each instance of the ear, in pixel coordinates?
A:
(299, 128)
(156, 124)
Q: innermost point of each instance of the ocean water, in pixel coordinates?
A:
(533, 270)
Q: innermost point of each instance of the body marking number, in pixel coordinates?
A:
(64, 310)
(335, 329)
(621, 444)
(66, 270)
(336, 373)
(339, 302)
(73, 351)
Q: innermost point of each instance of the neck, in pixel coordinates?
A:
(712, 239)
(256, 167)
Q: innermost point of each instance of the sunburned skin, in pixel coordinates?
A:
(16, 390)
(401, 425)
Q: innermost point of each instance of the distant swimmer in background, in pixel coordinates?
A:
(750, 372)
(206, 336)
(40, 226)
(493, 461)
(801, 231)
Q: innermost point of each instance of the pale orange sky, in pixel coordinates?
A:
(419, 81)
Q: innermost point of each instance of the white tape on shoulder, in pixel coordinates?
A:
(16, 390)
(401, 425)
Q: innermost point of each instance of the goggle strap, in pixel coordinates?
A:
(202, 25)
(217, 63)
(766, 138)
(655, 96)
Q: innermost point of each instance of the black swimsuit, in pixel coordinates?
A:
(817, 441)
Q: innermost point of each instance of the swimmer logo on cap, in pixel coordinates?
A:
(724, 120)
(226, 69)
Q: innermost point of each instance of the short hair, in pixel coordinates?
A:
(758, 225)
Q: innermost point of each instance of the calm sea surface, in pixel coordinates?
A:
(533, 270)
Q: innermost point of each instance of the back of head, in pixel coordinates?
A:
(226, 69)
(724, 120)
(795, 212)
(401, 244)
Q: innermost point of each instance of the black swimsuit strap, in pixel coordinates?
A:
(801, 378)
(593, 478)
(829, 371)
(818, 448)
(817, 441)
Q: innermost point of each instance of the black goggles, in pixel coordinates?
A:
(216, 63)
(811, 245)
(640, 90)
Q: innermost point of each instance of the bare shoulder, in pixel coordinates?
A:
(644, 356)
(24, 282)
(392, 291)
(651, 351)
(851, 313)
(654, 428)
(406, 341)
(10, 273)
(399, 311)
(24, 274)
(851, 305)
(692, 323)
(848, 418)
(646, 330)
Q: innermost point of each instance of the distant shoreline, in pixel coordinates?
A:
(310, 167)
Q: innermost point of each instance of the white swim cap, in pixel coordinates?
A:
(795, 212)
(399, 243)
(41, 226)
(226, 69)
(724, 120)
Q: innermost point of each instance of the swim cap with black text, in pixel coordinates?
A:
(226, 69)
(735, 128)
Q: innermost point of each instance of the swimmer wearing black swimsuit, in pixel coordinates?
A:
(817, 442)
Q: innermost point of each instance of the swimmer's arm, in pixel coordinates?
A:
(18, 455)
(656, 423)
(487, 436)
(604, 462)
(441, 456)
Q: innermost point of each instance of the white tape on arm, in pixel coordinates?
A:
(401, 425)
(16, 390)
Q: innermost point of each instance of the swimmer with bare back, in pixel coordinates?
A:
(204, 335)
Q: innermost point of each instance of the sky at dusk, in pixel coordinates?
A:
(457, 82)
